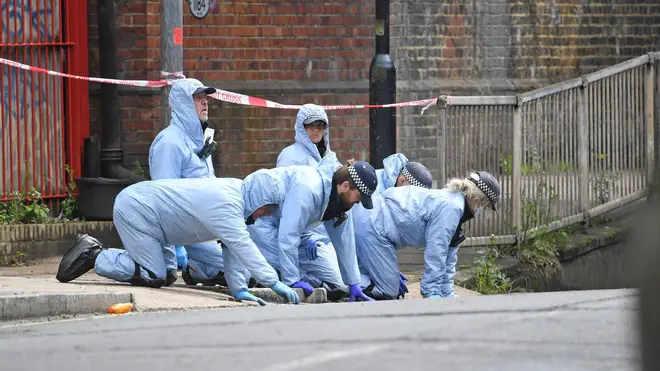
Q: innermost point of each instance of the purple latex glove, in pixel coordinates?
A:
(403, 289)
(356, 293)
(310, 249)
(306, 287)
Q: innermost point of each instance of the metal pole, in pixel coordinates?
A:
(171, 47)
(516, 199)
(382, 90)
(583, 152)
(441, 141)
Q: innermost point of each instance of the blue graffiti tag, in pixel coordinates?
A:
(12, 27)
(20, 90)
(14, 95)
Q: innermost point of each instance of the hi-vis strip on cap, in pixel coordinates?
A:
(411, 179)
(359, 183)
(485, 188)
(222, 95)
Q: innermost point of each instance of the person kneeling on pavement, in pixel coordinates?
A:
(152, 214)
(314, 195)
(317, 257)
(397, 171)
(413, 216)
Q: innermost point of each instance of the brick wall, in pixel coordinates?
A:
(482, 47)
(320, 52)
(302, 53)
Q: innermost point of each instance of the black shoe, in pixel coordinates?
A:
(79, 259)
(170, 278)
(187, 278)
(252, 282)
(219, 279)
(336, 294)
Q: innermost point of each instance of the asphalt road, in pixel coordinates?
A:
(581, 330)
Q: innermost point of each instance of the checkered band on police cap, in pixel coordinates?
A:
(363, 188)
(411, 179)
(485, 187)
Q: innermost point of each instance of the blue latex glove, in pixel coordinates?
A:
(306, 287)
(434, 297)
(356, 293)
(246, 296)
(181, 257)
(286, 292)
(403, 289)
(310, 249)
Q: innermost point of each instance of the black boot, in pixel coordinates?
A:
(79, 259)
(170, 278)
(187, 278)
(219, 279)
(335, 293)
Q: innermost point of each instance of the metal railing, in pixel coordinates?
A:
(43, 118)
(563, 153)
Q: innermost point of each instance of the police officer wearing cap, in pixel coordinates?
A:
(416, 216)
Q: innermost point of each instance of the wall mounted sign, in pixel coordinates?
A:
(199, 8)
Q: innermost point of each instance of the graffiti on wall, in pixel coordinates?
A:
(21, 93)
(24, 21)
(30, 103)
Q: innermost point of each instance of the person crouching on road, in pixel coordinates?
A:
(314, 195)
(413, 216)
(152, 214)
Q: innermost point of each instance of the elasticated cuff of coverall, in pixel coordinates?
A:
(235, 290)
(447, 293)
(427, 294)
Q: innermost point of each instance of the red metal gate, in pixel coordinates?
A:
(44, 118)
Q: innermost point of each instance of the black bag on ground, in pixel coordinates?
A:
(79, 259)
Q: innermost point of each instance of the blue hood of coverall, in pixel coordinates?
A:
(173, 153)
(184, 114)
(263, 187)
(303, 151)
(302, 139)
(393, 164)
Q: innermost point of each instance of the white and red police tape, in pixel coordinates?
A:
(221, 95)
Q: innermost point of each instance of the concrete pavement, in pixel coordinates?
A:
(582, 330)
(21, 287)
